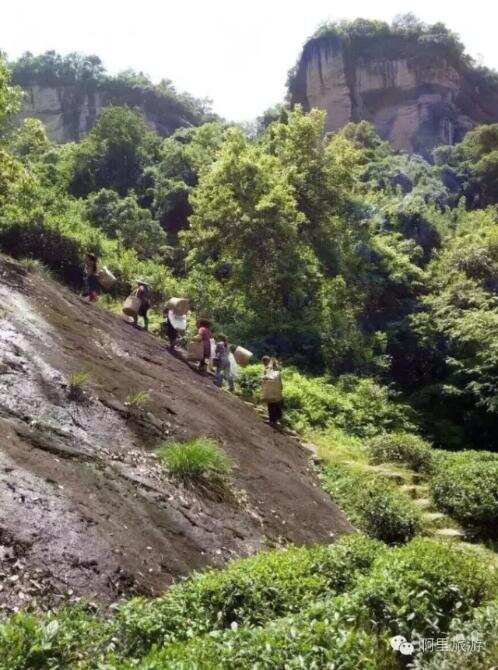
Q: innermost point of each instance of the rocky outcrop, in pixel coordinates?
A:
(70, 112)
(415, 101)
(86, 509)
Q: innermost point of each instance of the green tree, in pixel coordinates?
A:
(30, 141)
(169, 183)
(245, 232)
(10, 98)
(459, 329)
(114, 154)
(124, 219)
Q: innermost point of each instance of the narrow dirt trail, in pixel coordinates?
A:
(85, 508)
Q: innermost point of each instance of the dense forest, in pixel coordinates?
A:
(373, 276)
(334, 253)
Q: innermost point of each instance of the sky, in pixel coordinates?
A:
(237, 53)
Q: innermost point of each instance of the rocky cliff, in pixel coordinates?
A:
(86, 510)
(69, 112)
(416, 95)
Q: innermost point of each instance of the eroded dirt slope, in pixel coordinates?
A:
(85, 508)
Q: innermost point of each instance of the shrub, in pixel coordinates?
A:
(56, 640)
(360, 406)
(248, 592)
(46, 243)
(401, 447)
(192, 460)
(466, 487)
(480, 643)
(300, 641)
(417, 589)
(375, 506)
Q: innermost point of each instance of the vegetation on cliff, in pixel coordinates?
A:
(406, 37)
(86, 75)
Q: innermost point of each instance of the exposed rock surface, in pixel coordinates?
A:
(416, 102)
(86, 510)
(70, 112)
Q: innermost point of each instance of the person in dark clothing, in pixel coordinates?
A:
(91, 282)
(275, 407)
(172, 333)
(174, 325)
(142, 293)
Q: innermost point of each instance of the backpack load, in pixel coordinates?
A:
(180, 306)
(131, 306)
(234, 368)
(106, 278)
(195, 350)
(271, 387)
(178, 322)
(242, 356)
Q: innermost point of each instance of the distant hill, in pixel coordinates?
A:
(413, 81)
(68, 94)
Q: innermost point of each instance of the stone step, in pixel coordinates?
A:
(381, 471)
(449, 533)
(415, 490)
(434, 516)
(394, 475)
(437, 519)
(423, 503)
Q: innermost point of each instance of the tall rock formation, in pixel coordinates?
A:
(418, 95)
(68, 94)
(69, 112)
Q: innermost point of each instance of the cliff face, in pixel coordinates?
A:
(70, 112)
(416, 101)
(86, 508)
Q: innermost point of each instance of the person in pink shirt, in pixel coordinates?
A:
(204, 332)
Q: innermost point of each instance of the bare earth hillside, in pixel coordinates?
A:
(86, 510)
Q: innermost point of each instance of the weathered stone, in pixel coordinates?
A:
(70, 112)
(414, 102)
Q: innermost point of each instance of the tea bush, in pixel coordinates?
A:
(53, 641)
(375, 506)
(401, 447)
(465, 486)
(418, 588)
(302, 607)
(249, 592)
(301, 641)
(472, 644)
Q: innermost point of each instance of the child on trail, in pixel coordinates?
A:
(142, 293)
(222, 363)
(275, 399)
(91, 282)
(204, 332)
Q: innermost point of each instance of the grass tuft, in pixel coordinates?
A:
(78, 382)
(195, 459)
